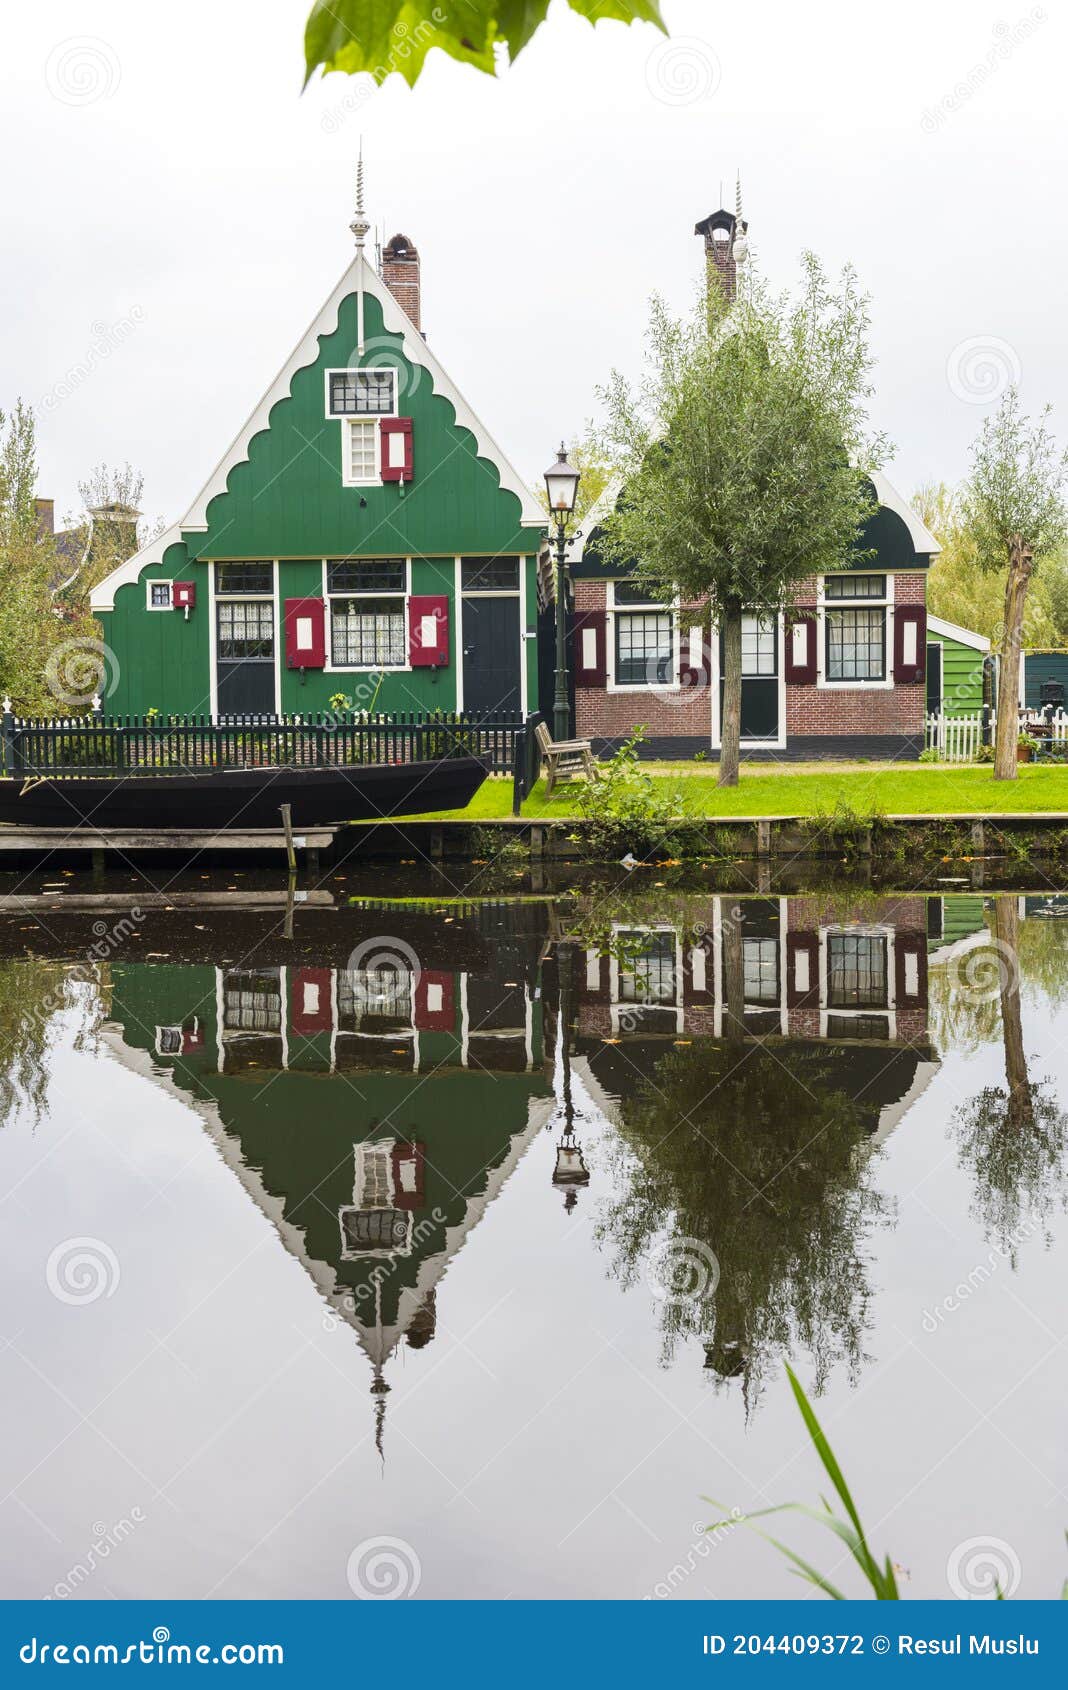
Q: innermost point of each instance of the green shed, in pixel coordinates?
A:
(1039, 667)
(956, 659)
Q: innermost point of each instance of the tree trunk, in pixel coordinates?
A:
(731, 724)
(733, 972)
(1020, 1112)
(1008, 731)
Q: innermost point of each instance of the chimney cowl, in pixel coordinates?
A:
(400, 272)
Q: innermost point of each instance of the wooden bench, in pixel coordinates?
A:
(565, 758)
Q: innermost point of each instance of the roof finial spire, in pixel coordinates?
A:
(360, 224)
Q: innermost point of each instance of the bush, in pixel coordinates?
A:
(626, 812)
(930, 755)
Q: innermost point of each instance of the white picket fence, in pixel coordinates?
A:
(957, 738)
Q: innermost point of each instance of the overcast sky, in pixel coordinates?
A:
(175, 210)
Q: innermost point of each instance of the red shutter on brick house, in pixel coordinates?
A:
(428, 630)
(434, 1002)
(698, 975)
(694, 645)
(801, 636)
(311, 1007)
(396, 448)
(407, 1164)
(305, 623)
(802, 970)
(910, 970)
(910, 644)
(591, 658)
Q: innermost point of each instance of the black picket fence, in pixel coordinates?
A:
(147, 745)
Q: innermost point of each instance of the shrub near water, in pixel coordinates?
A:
(626, 810)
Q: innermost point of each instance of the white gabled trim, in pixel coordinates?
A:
(360, 274)
(888, 495)
(102, 596)
(950, 631)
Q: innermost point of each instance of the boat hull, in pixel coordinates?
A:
(241, 798)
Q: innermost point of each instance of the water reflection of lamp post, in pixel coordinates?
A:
(570, 1170)
(561, 486)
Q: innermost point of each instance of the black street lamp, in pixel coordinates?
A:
(561, 485)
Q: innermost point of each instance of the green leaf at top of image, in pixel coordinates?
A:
(382, 36)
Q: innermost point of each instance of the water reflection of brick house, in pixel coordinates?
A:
(810, 970)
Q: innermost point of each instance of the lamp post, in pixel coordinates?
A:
(561, 485)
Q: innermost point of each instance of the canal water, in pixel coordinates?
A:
(457, 1247)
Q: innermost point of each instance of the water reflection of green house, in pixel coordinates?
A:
(371, 1115)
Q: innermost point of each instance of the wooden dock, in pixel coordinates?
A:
(101, 842)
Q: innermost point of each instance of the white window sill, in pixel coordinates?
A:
(641, 686)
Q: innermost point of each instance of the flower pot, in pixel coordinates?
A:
(1023, 753)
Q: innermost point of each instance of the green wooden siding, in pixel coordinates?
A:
(962, 676)
(286, 501)
(1040, 666)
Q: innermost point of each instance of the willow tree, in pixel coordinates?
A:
(1014, 506)
(741, 455)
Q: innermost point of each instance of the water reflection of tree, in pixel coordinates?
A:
(1013, 1139)
(27, 986)
(756, 1156)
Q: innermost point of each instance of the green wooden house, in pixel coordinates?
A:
(957, 661)
(363, 535)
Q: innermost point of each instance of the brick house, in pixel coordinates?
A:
(841, 675)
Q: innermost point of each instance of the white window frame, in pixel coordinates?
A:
(886, 604)
(347, 419)
(859, 930)
(159, 581)
(619, 1007)
(671, 607)
(332, 668)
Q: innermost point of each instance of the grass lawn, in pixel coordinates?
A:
(776, 789)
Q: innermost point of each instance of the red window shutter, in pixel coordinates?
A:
(435, 1002)
(311, 1003)
(910, 644)
(428, 630)
(802, 970)
(910, 970)
(407, 1165)
(305, 622)
(801, 647)
(395, 446)
(694, 677)
(698, 975)
(591, 661)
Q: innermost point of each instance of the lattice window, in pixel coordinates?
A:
(856, 971)
(245, 629)
(366, 393)
(644, 645)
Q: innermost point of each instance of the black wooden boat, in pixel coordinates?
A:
(240, 798)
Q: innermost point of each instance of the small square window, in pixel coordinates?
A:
(367, 393)
(159, 595)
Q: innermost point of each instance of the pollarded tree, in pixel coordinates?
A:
(742, 454)
(1014, 506)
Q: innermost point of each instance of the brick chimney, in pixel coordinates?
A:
(46, 516)
(719, 231)
(400, 272)
(115, 526)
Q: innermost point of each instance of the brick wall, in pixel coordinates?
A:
(891, 714)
